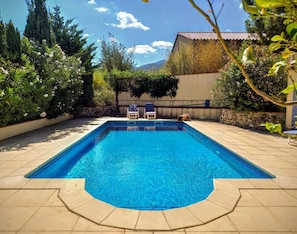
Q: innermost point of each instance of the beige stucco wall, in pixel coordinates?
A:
(192, 90)
(16, 129)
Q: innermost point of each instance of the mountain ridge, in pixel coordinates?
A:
(152, 66)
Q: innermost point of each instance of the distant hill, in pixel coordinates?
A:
(152, 66)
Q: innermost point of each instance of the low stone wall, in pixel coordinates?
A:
(17, 129)
(162, 112)
(251, 120)
(98, 111)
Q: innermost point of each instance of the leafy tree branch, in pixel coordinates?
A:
(239, 63)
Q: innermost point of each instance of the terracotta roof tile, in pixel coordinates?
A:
(213, 36)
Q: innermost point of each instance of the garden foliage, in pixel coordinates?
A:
(103, 93)
(46, 83)
(232, 91)
(138, 82)
(38, 77)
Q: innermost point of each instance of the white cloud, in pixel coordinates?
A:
(92, 2)
(127, 20)
(162, 44)
(142, 49)
(101, 9)
(240, 6)
(86, 35)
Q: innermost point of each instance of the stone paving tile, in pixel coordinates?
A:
(238, 183)
(76, 199)
(222, 224)
(288, 215)
(292, 192)
(123, 217)
(171, 232)
(13, 182)
(149, 220)
(274, 198)
(212, 232)
(185, 218)
(265, 183)
(51, 219)
(267, 232)
(13, 218)
(94, 210)
(223, 199)
(54, 200)
(43, 232)
(84, 225)
(6, 194)
(256, 219)
(205, 211)
(29, 198)
(39, 183)
(4, 172)
(247, 199)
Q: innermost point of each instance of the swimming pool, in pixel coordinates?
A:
(148, 165)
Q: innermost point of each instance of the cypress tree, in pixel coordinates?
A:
(3, 44)
(13, 40)
(38, 27)
(72, 42)
(67, 34)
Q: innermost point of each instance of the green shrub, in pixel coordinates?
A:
(232, 91)
(48, 84)
(59, 73)
(23, 95)
(103, 93)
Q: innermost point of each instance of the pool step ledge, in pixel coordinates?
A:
(219, 203)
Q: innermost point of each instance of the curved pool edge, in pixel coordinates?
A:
(220, 202)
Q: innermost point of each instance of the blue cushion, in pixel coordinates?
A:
(133, 107)
(149, 107)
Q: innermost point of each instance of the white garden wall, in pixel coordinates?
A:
(16, 129)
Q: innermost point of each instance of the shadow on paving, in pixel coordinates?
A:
(46, 134)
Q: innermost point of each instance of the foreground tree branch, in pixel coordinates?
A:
(240, 65)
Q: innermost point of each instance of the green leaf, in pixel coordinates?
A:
(292, 29)
(248, 57)
(253, 10)
(287, 53)
(275, 46)
(289, 89)
(287, 21)
(272, 127)
(278, 38)
(274, 69)
(271, 3)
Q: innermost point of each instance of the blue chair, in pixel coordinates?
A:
(133, 112)
(149, 111)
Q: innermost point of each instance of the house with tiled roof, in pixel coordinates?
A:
(201, 52)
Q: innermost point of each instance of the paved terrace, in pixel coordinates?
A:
(62, 206)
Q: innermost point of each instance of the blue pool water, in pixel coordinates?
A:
(148, 165)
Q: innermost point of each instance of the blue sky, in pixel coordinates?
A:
(149, 29)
